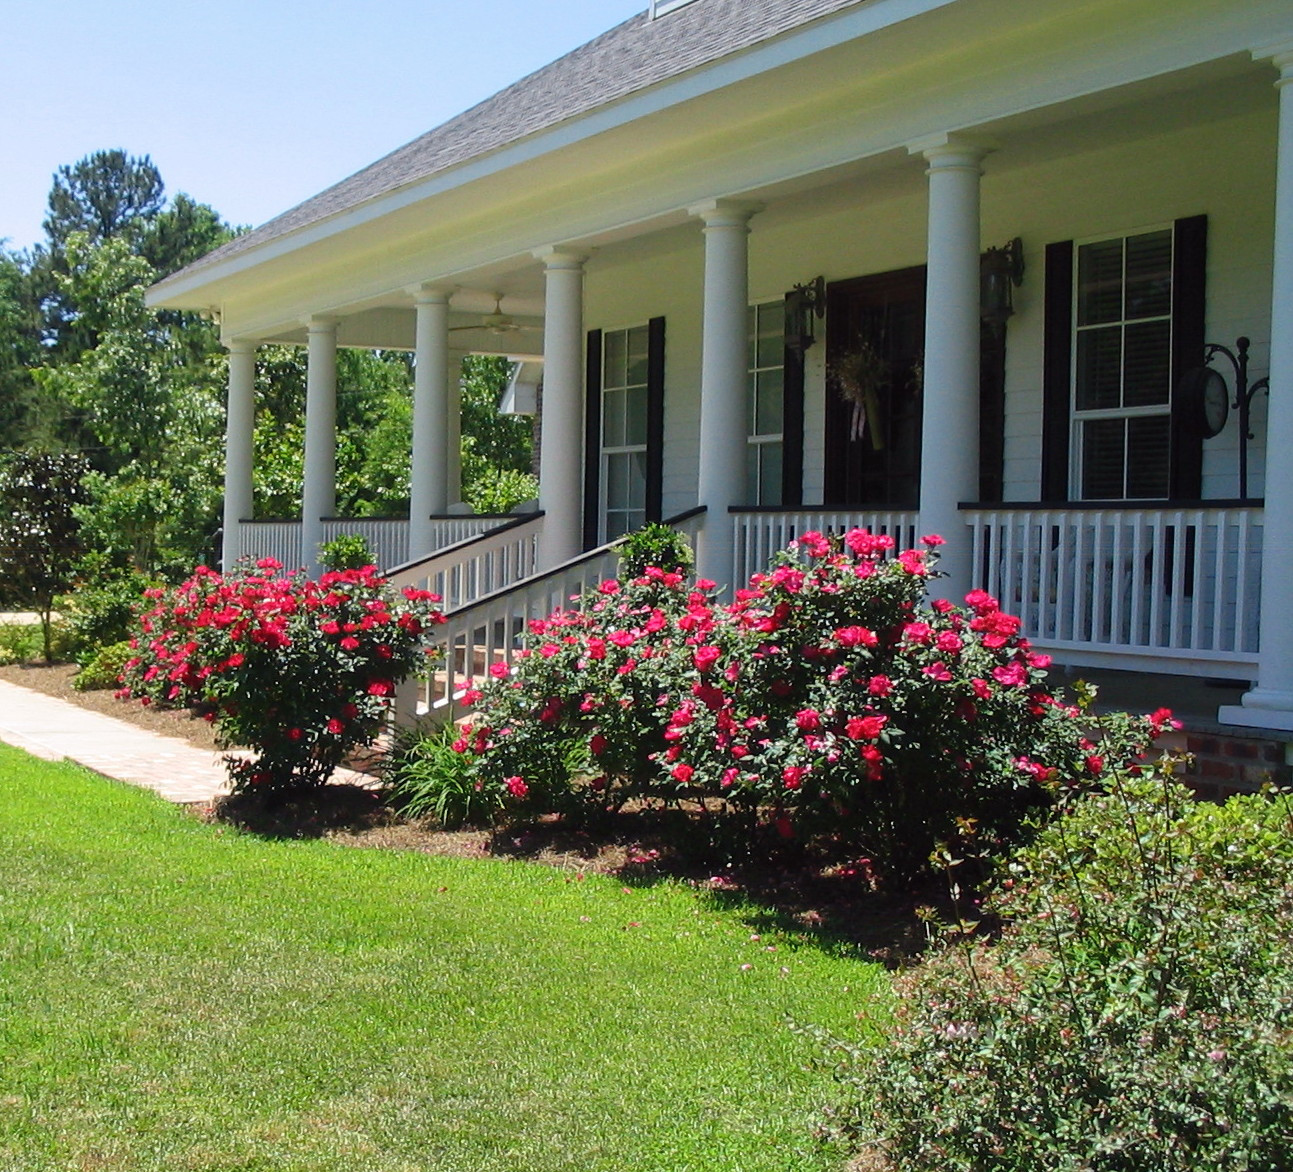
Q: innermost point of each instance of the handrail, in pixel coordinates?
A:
(1110, 506)
(414, 568)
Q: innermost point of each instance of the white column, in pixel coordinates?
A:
(319, 492)
(724, 375)
(240, 421)
(949, 462)
(429, 474)
(561, 460)
(1270, 703)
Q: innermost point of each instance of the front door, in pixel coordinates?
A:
(875, 346)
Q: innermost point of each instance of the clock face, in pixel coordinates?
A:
(1215, 405)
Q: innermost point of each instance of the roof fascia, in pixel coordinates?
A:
(824, 33)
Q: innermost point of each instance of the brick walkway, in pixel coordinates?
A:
(56, 730)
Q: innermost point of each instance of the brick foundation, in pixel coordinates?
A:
(1227, 763)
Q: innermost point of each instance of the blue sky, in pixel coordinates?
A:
(254, 105)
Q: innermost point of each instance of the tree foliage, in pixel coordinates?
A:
(39, 538)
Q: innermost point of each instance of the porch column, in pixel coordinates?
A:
(319, 491)
(949, 462)
(1269, 704)
(240, 420)
(429, 476)
(562, 456)
(724, 377)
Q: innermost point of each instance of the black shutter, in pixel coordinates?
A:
(593, 441)
(1057, 371)
(1189, 314)
(792, 423)
(655, 419)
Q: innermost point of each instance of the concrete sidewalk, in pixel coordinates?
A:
(55, 730)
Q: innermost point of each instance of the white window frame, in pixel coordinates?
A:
(662, 7)
(753, 438)
(1078, 417)
(607, 533)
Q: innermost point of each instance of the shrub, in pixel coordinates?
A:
(426, 778)
(656, 545)
(299, 671)
(350, 551)
(104, 669)
(103, 610)
(829, 697)
(25, 642)
(1136, 1014)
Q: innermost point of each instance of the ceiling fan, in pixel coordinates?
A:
(496, 322)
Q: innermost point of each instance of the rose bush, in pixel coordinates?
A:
(828, 697)
(300, 671)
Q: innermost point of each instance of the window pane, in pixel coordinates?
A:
(613, 419)
(1148, 377)
(770, 474)
(751, 398)
(1099, 368)
(752, 474)
(637, 479)
(751, 334)
(635, 416)
(1149, 444)
(1099, 282)
(772, 344)
(1149, 274)
(768, 417)
(637, 357)
(1102, 458)
(617, 482)
(614, 358)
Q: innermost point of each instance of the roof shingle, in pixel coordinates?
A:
(634, 55)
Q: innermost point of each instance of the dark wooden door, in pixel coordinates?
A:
(873, 446)
(875, 345)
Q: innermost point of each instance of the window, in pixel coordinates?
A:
(765, 406)
(1122, 368)
(660, 7)
(1125, 318)
(624, 430)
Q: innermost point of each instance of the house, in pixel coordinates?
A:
(941, 266)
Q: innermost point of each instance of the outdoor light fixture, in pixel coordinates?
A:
(1205, 398)
(1000, 269)
(803, 303)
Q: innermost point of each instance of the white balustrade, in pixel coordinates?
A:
(759, 533)
(280, 540)
(480, 564)
(1165, 589)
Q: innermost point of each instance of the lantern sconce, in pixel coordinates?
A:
(803, 304)
(1000, 271)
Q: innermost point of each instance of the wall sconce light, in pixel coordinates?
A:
(803, 304)
(1205, 398)
(1000, 270)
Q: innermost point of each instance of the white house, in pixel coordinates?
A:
(930, 265)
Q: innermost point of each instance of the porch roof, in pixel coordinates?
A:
(631, 57)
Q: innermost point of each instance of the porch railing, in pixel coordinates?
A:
(1171, 588)
(485, 628)
(388, 537)
(280, 540)
(760, 531)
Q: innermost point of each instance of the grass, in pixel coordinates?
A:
(177, 996)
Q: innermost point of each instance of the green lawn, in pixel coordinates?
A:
(174, 996)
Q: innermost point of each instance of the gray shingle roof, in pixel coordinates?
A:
(630, 57)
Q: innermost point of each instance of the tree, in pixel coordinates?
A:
(19, 351)
(39, 541)
(148, 392)
(104, 196)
